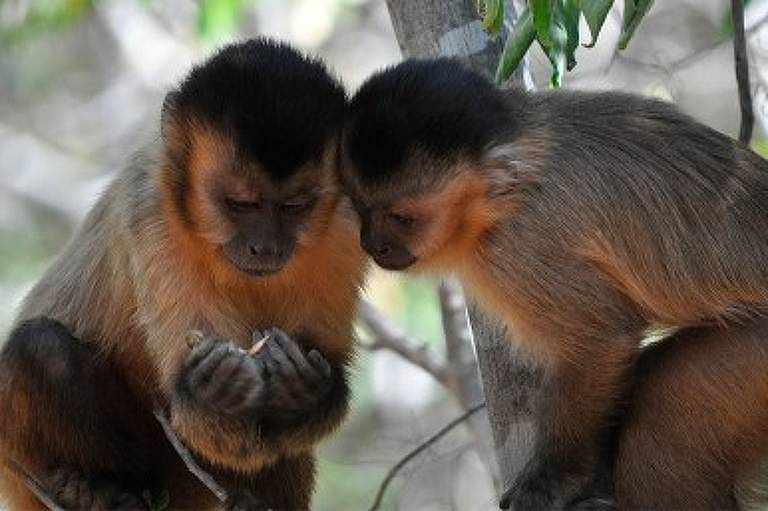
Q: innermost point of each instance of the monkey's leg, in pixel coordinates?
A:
(69, 423)
(579, 398)
(697, 419)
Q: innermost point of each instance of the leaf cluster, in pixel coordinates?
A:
(554, 24)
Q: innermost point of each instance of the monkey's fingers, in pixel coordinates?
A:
(281, 362)
(250, 400)
(201, 372)
(194, 338)
(244, 388)
(296, 355)
(199, 352)
(230, 372)
(319, 362)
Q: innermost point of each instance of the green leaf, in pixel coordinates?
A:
(726, 27)
(634, 10)
(218, 19)
(567, 15)
(517, 44)
(564, 37)
(492, 12)
(542, 20)
(557, 53)
(595, 12)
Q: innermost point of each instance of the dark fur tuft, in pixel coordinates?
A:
(281, 107)
(435, 105)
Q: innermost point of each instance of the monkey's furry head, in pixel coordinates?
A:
(280, 106)
(438, 107)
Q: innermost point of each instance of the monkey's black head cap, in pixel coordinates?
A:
(437, 105)
(281, 107)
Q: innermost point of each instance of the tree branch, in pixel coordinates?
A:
(35, 486)
(464, 371)
(388, 336)
(418, 450)
(742, 71)
(186, 456)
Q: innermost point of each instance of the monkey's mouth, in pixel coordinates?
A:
(257, 269)
(397, 263)
(259, 272)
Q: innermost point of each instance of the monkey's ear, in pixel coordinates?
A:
(504, 172)
(173, 129)
(169, 112)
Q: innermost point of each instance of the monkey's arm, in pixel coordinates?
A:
(244, 411)
(573, 422)
(587, 334)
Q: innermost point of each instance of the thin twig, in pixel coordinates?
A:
(35, 486)
(465, 373)
(418, 450)
(186, 456)
(742, 71)
(459, 354)
(388, 336)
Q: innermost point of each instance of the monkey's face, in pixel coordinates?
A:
(256, 222)
(414, 146)
(266, 223)
(405, 225)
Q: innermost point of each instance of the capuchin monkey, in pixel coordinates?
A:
(581, 220)
(234, 223)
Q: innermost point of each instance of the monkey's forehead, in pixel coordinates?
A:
(435, 106)
(279, 106)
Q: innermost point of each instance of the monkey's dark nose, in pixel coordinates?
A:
(376, 249)
(266, 251)
(382, 251)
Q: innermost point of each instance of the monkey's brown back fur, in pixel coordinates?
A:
(634, 190)
(697, 420)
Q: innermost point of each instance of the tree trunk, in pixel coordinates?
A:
(452, 28)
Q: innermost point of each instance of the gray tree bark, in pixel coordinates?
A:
(452, 28)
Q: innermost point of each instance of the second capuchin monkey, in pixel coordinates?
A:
(233, 224)
(580, 220)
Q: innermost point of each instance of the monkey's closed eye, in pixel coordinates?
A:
(241, 206)
(404, 220)
(296, 206)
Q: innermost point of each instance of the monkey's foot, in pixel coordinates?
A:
(543, 487)
(244, 501)
(596, 503)
(72, 490)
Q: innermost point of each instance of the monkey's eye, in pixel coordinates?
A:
(404, 220)
(241, 206)
(296, 205)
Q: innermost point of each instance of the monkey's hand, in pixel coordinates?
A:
(221, 378)
(298, 382)
(241, 410)
(72, 490)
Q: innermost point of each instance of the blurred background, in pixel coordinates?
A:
(81, 84)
